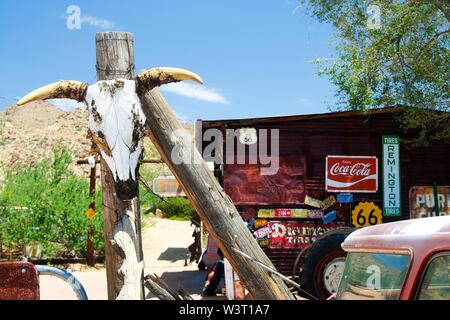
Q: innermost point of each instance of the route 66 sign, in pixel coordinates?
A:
(366, 214)
(248, 136)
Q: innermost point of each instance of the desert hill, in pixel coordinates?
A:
(28, 134)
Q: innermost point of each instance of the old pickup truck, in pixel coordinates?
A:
(405, 260)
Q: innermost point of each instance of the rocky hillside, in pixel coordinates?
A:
(28, 134)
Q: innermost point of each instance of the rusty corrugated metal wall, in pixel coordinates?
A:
(315, 137)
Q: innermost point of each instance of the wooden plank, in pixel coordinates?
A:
(122, 226)
(157, 290)
(209, 199)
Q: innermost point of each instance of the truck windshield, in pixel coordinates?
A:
(373, 276)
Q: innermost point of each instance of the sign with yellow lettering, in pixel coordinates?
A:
(366, 214)
(167, 186)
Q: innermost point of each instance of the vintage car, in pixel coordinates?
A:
(405, 260)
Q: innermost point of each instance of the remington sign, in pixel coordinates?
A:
(391, 176)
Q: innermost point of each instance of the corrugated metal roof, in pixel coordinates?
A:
(281, 119)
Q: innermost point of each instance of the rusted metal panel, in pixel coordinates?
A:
(283, 259)
(351, 134)
(314, 137)
(246, 186)
(422, 201)
(18, 281)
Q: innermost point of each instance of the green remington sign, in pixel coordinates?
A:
(391, 176)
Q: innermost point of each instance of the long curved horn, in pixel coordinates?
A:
(62, 89)
(155, 77)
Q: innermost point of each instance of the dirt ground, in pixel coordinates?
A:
(165, 245)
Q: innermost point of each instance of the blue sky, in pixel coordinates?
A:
(253, 55)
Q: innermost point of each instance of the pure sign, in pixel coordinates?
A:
(391, 176)
(421, 201)
(351, 174)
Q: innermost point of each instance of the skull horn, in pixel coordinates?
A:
(155, 77)
(63, 89)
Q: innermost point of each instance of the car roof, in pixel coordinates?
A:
(417, 235)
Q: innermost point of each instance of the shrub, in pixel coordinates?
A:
(46, 203)
(173, 208)
(177, 208)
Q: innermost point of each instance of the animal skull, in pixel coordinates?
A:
(116, 123)
(116, 119)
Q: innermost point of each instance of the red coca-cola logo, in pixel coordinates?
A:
(351, 173)
(357, 169)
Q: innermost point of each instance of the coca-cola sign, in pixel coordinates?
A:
(351, 174)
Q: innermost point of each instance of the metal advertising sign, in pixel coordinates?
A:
(391, 176)
(262, 232)
(351, 174)
(316, 203)
(295, 234)
(248, 136)
(290, 213)
(167, 186)
(330, 216)
(328, 202)
(421, 201)
(283, 213)
(344, 198)
(366, 214)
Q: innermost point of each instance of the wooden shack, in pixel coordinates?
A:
(305, 142)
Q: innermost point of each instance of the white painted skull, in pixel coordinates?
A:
(116, 119)
(117, 124)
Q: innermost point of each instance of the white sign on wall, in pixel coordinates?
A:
(391, 176)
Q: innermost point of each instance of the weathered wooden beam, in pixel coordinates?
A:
(164, 285)
(155, 288)
(90, 235)
(122, 225)
(214, 207)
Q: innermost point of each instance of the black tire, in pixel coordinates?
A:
(297, 268)
(320, 253)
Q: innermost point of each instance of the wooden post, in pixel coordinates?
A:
(90, 235)
(214, 207)
(115, 59)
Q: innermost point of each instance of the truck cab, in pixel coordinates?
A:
(405, 260)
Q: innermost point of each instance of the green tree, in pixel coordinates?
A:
(391, 53)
